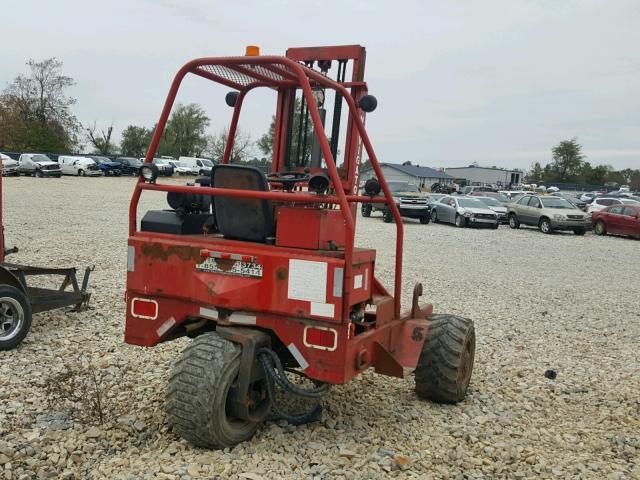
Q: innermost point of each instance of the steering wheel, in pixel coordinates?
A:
(288, 180)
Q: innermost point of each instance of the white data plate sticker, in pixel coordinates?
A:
(307, 281)
(230, 267)
(357, 281)
(326, 310)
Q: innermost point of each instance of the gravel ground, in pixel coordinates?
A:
(540, 302)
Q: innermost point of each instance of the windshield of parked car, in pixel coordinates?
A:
(134, 162)
(402, 187)
(629, 201)
(502, 198)
(492, 202)
(40, 158)
(176, 164)
(101, 159)
(471, 203)
(556, 202)
(207, 163)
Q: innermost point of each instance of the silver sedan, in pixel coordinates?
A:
(463, 212)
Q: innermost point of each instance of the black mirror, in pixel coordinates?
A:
(231, 98)
(368, 103)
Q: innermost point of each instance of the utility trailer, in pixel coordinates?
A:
(262, 271)
(19, 300)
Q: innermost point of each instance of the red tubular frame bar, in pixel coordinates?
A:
(304, 75)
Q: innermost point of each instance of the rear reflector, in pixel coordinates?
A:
(144, 308)
(321, 338)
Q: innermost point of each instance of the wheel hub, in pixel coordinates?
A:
(11, 317)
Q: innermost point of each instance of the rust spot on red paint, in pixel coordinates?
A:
(282, 273)
(224, 264)
(156, 251)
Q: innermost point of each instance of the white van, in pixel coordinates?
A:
(198, 166)
(81, 166)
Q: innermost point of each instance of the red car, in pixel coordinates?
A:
(617, 220)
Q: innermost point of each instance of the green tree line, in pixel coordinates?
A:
(569, 165)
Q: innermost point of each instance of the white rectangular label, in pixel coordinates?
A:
(357, 281)
(298, 356)
(230, 267)
(322, 309)
(307, 281)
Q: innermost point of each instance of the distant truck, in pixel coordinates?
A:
(9, 165)
(198, 166)
(38, 165)
(411, 202)
(80, 166)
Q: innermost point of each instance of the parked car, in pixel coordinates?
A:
(107, 166)
(501, 197)
(129, 165)
(38, 165)
(411, 202)
(81, 166)
(600, 203)
(198, 166)
(576, 202)
(475, 188)
(588, 197)
(617, 220)
(9, 165)
(179, 168)
(495, 206)
(548, 213)
(164, 167)
(463, 212)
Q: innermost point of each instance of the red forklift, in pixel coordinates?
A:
(261, 269)
(19, 300)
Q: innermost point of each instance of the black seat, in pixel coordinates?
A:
(242, 218)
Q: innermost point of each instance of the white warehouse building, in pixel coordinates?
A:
(486, 175)
(422, 177)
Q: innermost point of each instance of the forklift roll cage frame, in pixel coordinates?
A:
(286, 75)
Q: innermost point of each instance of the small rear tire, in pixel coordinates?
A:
(445, 365)
(600, 228)
(197, 394)
(15, 317)
(387, 217)
(366, 210)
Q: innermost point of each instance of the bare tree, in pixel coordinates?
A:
(41, 106)
(102, 141)
(242, 146)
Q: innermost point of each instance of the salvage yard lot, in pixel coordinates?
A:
(540, 302)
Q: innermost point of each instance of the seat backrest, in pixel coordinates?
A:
(242, 218)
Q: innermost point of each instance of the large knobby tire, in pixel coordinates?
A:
(513, 221)
(15, 317)
(445, 365)
(198, 390)
(545, 225)
(366, 210)
(600, 228)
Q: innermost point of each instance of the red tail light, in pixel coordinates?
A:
(322, 338)
(144, 308)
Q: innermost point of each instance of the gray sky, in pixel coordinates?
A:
(497, 82)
